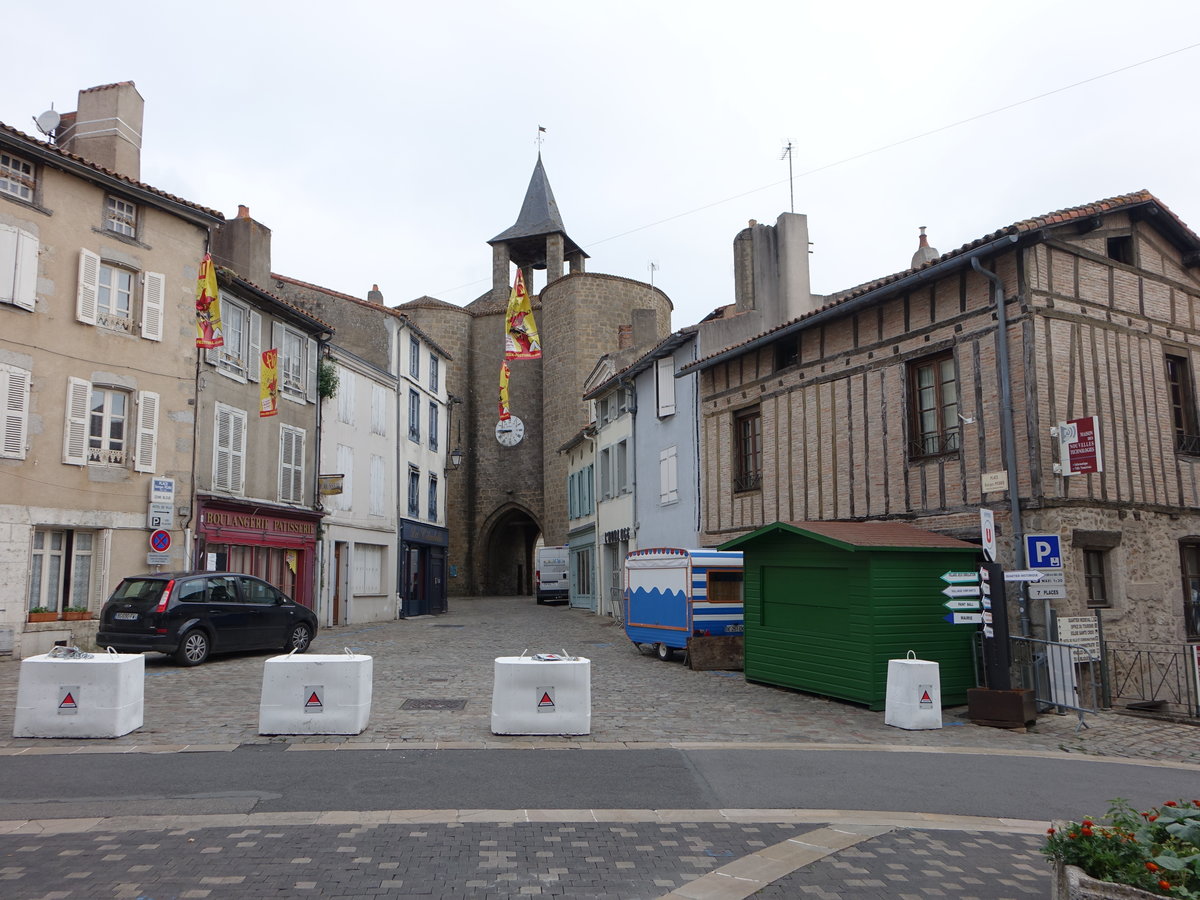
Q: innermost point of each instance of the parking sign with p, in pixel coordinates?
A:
(1043, 551)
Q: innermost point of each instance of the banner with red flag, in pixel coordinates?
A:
(208, 306)
(521, 339)
(504, 373)
(268, 383)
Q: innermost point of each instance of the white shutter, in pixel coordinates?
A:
(664, 372)
(378, 506)
(221, 455)
(285, 457)
(18, 267)
(237, 445)
(229, 449)
(254, 363)
(668, 484)
(145, 453)
(310, 371)
(345, 464)
(89, 287)
(154, 290)
(76, 434)
(14, 397)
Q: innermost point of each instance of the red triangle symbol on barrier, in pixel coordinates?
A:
(545, 701)
(313, 700)
(925, 698)
(68, 702)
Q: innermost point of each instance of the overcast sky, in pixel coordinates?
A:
(387, 142)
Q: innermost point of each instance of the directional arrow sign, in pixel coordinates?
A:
(962, 604)
(962, 590)
(960, 577)
(963, 618)
(1023, 575)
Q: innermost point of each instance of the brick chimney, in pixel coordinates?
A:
(244, 245)
(106, 129)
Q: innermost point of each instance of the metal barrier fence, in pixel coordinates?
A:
(1064, 676)
(1151, 676)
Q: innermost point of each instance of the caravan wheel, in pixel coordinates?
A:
(666, 653)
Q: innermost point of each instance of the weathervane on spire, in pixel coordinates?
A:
(540, 132)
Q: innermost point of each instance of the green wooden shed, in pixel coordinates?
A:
(829, 603)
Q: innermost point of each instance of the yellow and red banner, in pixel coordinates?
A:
(521, 339)
(504, 373)
(268, 383)
(208, 306)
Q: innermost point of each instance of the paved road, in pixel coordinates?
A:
(691, 784)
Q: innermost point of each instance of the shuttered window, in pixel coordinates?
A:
(668, 475)
(291, 464)
(145, 451)
(378, 498)
(345, 465)
(664, 374)
(18, 267)
(229, 451)
(14, 407)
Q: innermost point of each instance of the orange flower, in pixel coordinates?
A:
(1086, 832)
(1152, 867)
(1087, 823)
(1151, 818)
(1049, 831)
(1165, 885)
(1170, 803)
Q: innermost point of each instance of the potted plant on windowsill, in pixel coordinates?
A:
(76, 613)
(42, 614)
(1129, 855)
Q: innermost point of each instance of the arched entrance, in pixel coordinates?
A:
(508, 540)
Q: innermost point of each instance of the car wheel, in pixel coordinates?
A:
(193, 649)
(666, 653)
(299, 638)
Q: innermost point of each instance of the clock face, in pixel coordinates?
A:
(510, 431)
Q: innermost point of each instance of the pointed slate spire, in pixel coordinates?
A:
(539, 218)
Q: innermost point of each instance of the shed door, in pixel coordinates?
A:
(811, 601)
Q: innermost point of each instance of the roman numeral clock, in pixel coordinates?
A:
(510, 431)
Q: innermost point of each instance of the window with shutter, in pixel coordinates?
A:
(89, 286)
(379, 407)
(14, 406)
(345, 465)
(668, 488)
(433, 498)
(153, 298)
(145, 454)
(229, 449)
(665, 382)
(378, 504)
(75, 437)
(291, 464)
(254, 346)
(433, 425)
(18, 267)
(232, 358)
(345, 396)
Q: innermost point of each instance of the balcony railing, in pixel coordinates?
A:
(749, 481)
(935, 444)
(1187, 443)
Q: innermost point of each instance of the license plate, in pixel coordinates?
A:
(126, 617)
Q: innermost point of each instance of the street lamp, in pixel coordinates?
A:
(456, 456)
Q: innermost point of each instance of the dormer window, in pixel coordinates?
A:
(120, 217)
(16, 177)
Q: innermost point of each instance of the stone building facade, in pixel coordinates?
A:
(887, 402)
(503, 498)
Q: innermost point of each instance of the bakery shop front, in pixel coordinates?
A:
(278, 544)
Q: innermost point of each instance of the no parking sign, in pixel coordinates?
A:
(160, 541)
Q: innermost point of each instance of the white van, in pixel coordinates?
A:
(552, 574)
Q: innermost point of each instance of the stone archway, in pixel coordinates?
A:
(508, 539)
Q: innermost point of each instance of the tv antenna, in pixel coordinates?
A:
(787, 154)
(653, 267)
(47, 121)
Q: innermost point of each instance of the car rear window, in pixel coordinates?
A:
(139, 591)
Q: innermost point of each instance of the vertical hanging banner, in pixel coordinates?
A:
(208, 306)
(504, 372)
(1079, 443)
(521, 339)
(268, 383)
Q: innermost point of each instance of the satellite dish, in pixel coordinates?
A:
(47, 121)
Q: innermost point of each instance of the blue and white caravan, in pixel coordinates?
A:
(672, 594)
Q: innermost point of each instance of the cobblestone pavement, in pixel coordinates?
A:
(515, 859)
(638, 701)
(636, 698)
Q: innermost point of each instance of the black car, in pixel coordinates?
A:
(192, 614)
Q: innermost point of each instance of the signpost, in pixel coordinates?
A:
(161, 511)
(1022, 575)
(961, 590)
(960, 577)
(963, 604)
(1082, 631)
(963, 618)
(987, 531)
(1053, 586)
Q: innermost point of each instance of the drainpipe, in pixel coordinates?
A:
(1008, 434)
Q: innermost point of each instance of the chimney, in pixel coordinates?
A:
(244, 246)
(374, 295)
(107, 128)
(924, 253)
(624, 337)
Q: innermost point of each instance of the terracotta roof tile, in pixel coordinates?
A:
(882, 534)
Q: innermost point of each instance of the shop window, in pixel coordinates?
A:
(933, 405)
(1189, 553)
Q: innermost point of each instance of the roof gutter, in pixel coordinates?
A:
(921, 276)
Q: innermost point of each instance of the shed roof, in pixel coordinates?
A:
(860, 536)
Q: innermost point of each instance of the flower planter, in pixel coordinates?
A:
(1072, 883)
(77, 616)
(43, 617)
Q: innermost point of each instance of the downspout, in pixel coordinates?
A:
(1008, 434)
(591, 439)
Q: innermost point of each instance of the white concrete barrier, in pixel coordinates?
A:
(914, 694)
(546, 693)
(67, 693)
(316, 694)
